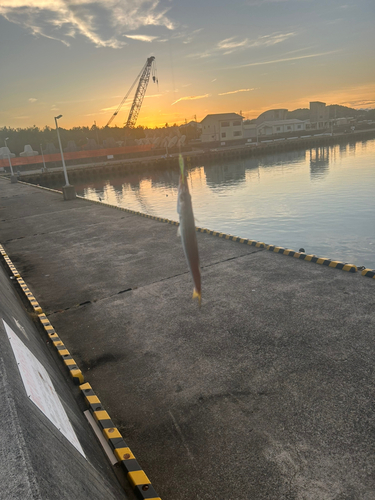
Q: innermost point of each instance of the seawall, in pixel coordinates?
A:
(197, 157)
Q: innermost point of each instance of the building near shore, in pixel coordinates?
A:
(281, 127)
(225, 127)
(319, 115)
(274, 127)
(222, 127)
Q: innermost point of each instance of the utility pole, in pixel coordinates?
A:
(69, 191)
(44, 163)
(13, 178)
(96, 130)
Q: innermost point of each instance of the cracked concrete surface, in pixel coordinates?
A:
(265, 392)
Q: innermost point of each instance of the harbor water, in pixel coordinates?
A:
(320, 199)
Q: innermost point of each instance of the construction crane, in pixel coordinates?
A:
(143, 78)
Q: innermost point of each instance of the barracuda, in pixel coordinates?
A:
(187, 231)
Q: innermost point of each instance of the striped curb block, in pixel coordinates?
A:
(2, 252)
(34, 304)
(138, 480)
(258, 244)
(313, 258)
(13, 269)
(230, 237)
(69, 362)
(62, 351)
(370, 273)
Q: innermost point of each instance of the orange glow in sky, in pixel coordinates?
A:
(80, 59)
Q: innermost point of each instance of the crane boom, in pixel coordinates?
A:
(140, 93)
(143, 78)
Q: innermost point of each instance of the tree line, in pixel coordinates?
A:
(39, 137)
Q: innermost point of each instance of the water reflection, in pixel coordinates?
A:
(288, 158)
(319, 162)
(352, 148)
(169, 178)
(228, 174)
(343, 149)
(274, 198)
(234, 173)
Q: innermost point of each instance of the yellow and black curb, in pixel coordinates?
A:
(13, 269)
(69, 362)
(34, 304)
(258, 244)
(351, 268)
(370, 273)
(138, 480)
(3, 252)
(140, 483)
(62, 351)
(230, 237)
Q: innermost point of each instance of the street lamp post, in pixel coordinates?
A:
(13, 178)
(69, 191)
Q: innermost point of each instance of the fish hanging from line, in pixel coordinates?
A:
(187, 231)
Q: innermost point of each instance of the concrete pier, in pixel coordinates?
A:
(264, 393)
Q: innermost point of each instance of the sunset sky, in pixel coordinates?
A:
(79, 58)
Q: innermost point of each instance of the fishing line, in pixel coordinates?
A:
(181, 159)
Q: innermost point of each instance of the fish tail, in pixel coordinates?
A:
(197, 295)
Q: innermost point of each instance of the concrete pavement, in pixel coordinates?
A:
(264, 393)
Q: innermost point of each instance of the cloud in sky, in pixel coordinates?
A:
(191, 98)
(360, 96)
(285, 59)
(229, 45)
(102, 22)
(200, 55)
(32, 99)
(261, 2)
(186, 36)
(236, 91)
(142, 38)
(361, 104)
(232, 44)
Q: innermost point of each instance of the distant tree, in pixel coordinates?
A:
(191, 131)
(299, 114)
(338, 111)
